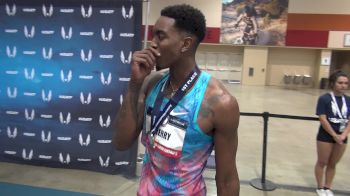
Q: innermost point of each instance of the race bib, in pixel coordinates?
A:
(170, 137)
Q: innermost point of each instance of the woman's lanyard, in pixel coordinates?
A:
(344, 109)
(159, 116)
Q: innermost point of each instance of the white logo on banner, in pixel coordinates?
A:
(67, 11)
(123, 59)
(106, 11)
(86, 14)
(65, 120)
(86, 142)
(66, 35)
(24, 154)
(104, 141)
(29, 76)
(82, 99)
(47, 12)
(11, 30)
(47, 138)
(109, 36)
(29, 134)
(27, 116)
(12, 93)
(126, 35)
(29, 10)
(66, 160)
(109, 78)
(103, 123)
(129, 14)
(48, 97)
(10, 112)
(11, 53)
(47, 54)
(122, 163)
(104, 163)
(11, 11)
(28, 34)
(83, 160)
(12, 134)
(84, 57)
(47, 32)
(104, 99)
(47, 157)
(121, 99)
(68, 78)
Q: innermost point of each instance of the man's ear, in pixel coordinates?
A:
(187, 44)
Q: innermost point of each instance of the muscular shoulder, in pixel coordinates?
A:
(219, 97)
(218, 106)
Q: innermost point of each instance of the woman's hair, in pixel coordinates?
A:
(334, 76)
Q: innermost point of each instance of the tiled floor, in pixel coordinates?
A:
(291, 152)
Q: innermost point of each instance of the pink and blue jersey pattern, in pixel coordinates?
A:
(164, 175)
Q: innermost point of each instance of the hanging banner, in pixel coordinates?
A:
(254, 22)
(64, 66)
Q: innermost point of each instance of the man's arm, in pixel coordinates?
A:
(128, 123)
(226, 122)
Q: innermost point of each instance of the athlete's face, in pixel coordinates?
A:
(340, 85)
(168, 41)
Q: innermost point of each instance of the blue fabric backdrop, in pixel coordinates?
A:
(63, 68)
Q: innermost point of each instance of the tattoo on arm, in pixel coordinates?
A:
(206, 109)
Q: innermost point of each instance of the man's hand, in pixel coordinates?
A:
(143, 63)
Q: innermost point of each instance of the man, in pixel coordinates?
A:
(182, 114)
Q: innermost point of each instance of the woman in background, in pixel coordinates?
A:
(333, 111)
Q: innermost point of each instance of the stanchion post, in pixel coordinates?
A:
(263, 184)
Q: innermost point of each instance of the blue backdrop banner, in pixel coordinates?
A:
(64, 66)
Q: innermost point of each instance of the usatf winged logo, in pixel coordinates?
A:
(106, 37)
(47, 138)
(66, 160)
(84, 57)
(47, 12)
(47, 54)
(65, 120)
(104, 163)
(29, 115)
(29, 76)
(106, 81)
(12, 93)
(128, 15)
(28, 34)
(11, 53)
(66, 35)
(25, 156)
(67, 78)
(86, 142)
(103, 123)
(11, 11)
(48, 97)
(84, 13)
(82, 99)
(12, 134)
(123, 59)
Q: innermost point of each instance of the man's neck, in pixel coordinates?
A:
(179, 71)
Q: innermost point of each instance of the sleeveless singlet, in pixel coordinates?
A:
(175, 166)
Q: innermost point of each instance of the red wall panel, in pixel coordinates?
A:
(307, 38)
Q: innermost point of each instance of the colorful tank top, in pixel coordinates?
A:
(175, 158)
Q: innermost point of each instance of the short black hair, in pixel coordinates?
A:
(187, 18)
(334, 76)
